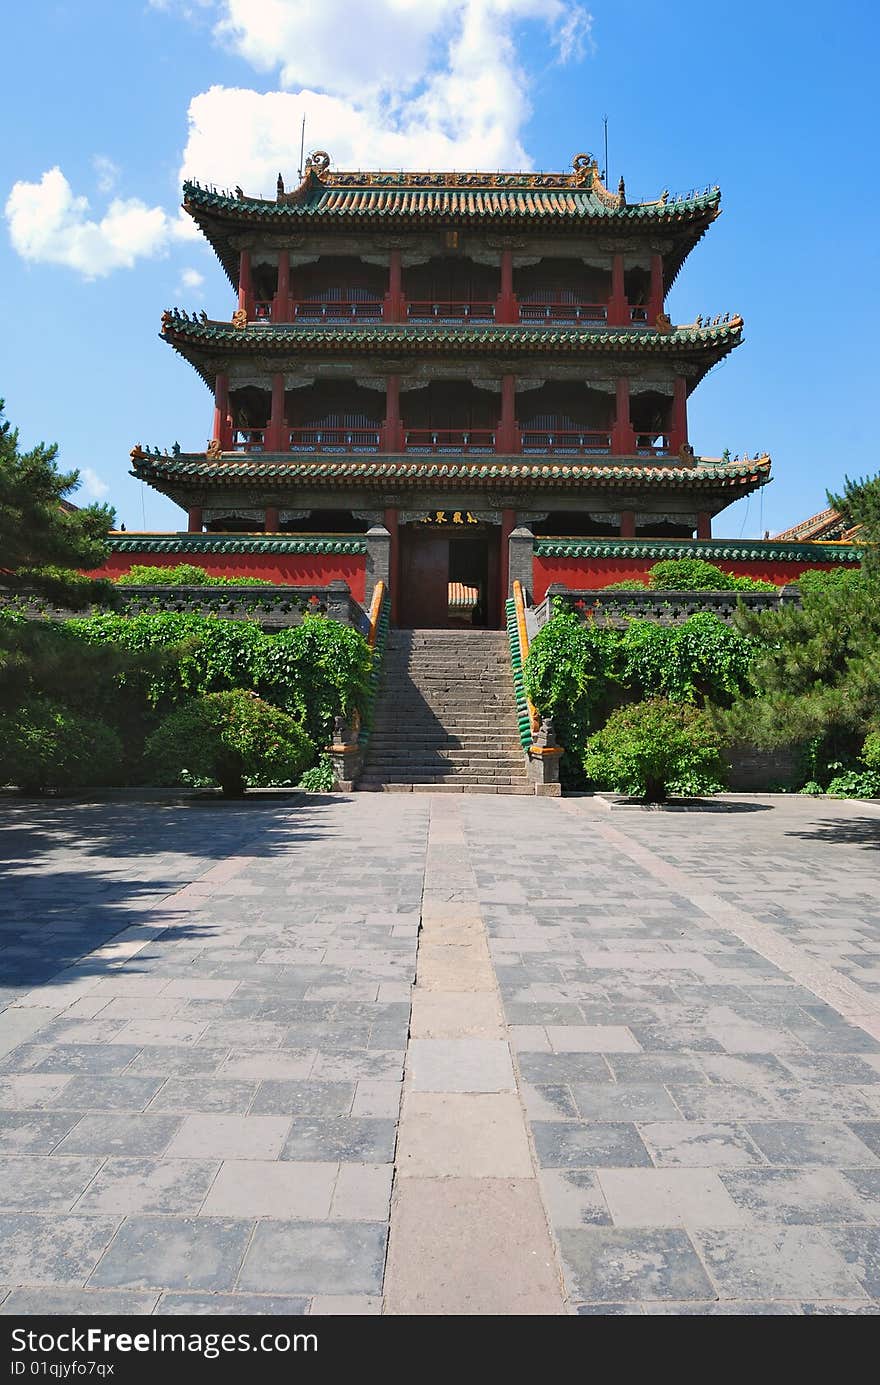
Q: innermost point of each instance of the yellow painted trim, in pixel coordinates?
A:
(541, 751)
(522, 632)
(375, 612)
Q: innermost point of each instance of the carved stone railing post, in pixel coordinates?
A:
(345, 755)
(339, 601)
(544, 756)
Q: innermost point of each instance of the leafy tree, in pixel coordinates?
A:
(228, 738)
(41, 543)
(654, 748)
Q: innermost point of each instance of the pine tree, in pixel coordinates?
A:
(860, 504)
(41, 543)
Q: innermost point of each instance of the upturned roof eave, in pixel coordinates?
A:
(377, 470)
(199, 344)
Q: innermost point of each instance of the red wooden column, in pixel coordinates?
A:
(655, 300)
(506, 307)
(627, 524)
(508, 524)
(507, 440)
(281, 302)
(392, 440)
(272, 521)
(392, 310)
(277, 440)
(393, 562)
(618, 308)
(194, 519)
(623, 439)
(222, 423)
(245, 284)
(704, 525)
(678, 432)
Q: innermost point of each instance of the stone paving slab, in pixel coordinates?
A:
(664, 1049)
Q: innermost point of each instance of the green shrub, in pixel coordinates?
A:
(695, 574)
(46, 746)
(182, 575)
(629, 584)
(856, 783)
(567, 675)
(651, 749)
(871, 750)
(320, 778)
(228, 738)
(316, 671)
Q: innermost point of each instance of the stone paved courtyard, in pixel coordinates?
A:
(639, 1071)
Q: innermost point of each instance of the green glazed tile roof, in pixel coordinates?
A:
(431, 197)
(236, 543)
(266, 337)
(200, 342)
(241, 469)
(732, 550)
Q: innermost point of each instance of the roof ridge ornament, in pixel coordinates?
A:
(318, 162)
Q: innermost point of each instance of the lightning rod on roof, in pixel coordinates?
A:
(302, 148)
(605, 169)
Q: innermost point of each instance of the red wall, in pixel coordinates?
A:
(284, 569)
(589, 574)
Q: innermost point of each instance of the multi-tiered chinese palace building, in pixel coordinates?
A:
(451, 356)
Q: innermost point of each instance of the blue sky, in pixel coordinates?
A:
(775, 102)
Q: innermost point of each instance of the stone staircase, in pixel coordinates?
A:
(445, 716)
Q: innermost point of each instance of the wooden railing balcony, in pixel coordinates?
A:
(338, 440)
(248, 439)
(652, 444)
(553, 313)
(565, 442)
(461, 311)
(263, 310)
(449, 440)
(336, 310)
(638, 314)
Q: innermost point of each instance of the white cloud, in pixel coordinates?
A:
(91, 487)
(191, 279)
(48, 224)
(106, 172)
(396, 84)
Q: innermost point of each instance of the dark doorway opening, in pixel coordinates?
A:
(448, 580)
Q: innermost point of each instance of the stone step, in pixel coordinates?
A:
(519, 789)
(457, 754)
(445, 719)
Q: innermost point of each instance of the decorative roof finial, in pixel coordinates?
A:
(239, 192)
(621, 192)
(279, 187)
